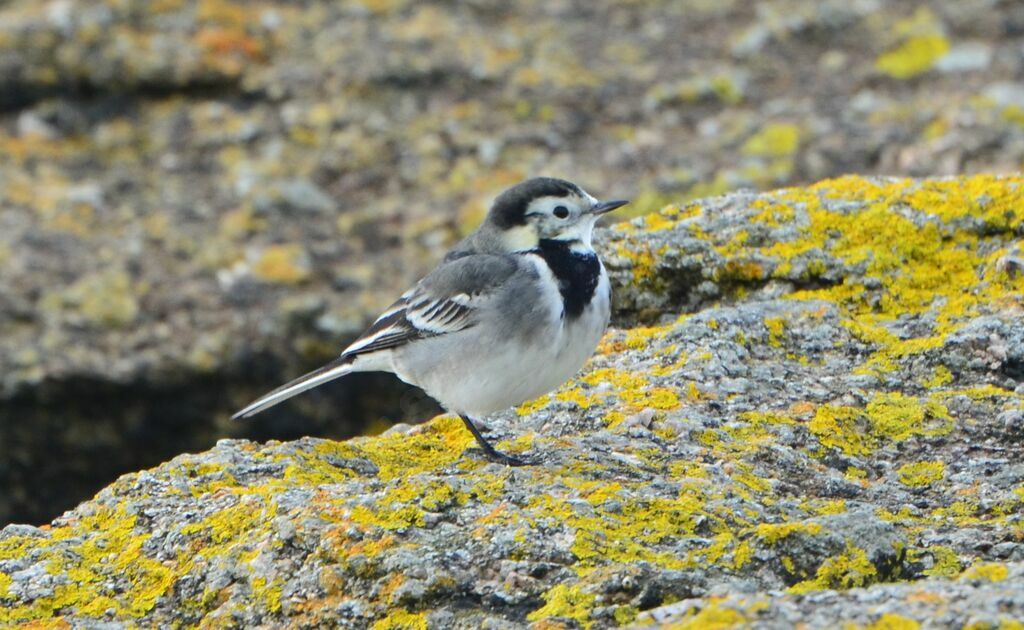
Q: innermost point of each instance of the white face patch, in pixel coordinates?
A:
(521, 238)
(575, 224)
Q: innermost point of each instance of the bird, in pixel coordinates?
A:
(512, 311)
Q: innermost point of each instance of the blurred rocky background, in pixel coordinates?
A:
(202, 198)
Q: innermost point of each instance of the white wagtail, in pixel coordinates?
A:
(512, 312)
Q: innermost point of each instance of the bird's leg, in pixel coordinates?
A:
(492, 454)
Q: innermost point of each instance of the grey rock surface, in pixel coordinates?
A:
(815, 419)
(202, 198)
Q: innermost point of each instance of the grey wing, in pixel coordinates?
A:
(448, 300)
(445, 301)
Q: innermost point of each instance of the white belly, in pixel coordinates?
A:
(479, 375)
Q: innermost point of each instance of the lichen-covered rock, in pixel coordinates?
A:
(199, 190)
(815, 417)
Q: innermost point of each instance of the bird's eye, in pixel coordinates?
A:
(561, 212)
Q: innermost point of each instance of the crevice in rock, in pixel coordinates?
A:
(1013, 369)
(65, 440)
(17, 96)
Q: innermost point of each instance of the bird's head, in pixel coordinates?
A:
(544, 208)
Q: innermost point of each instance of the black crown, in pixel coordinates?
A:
(509, 209)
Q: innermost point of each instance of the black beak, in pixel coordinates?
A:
(602, 207)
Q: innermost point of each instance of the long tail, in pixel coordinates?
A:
(335, 369)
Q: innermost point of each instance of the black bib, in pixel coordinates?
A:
(577, 274)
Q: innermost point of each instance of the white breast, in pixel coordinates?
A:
(502, 373)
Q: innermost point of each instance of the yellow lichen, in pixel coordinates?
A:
(113, 549)
(533, 406)
(774, 140)
(640, 337)
(577, 396)
(918, 267)
(945, 562)
(613, 419)
(915, 56)
(772, 213)
(921, 474)
(568, 602)
(107, 299)
(5, 583)
(657, 222)
(716, 615)
(282, 264)
(827, 507)
(632, 390)
(644, 263)
(625, 615)
(239, 222)
(847, 570)
(771, 534)
(429, 447)
(892, 621)
(401, 619)
(941, 376)
(897, 417)
(776, 330)
(888, 418)
(986, 572)
(1014, 114)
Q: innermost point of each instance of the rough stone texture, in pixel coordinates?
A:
(200, 164)
(815, 418)
(201, 198)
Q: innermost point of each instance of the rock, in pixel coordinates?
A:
(156, 149)
(721, 458)
(967, 57)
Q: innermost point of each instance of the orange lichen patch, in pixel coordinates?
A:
(801, 409)
(240, 221)
(739, 270)
(220, 41)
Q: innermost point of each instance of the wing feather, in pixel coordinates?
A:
(444, 302)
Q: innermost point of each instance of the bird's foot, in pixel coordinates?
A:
(490, 452)
(498, 457)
